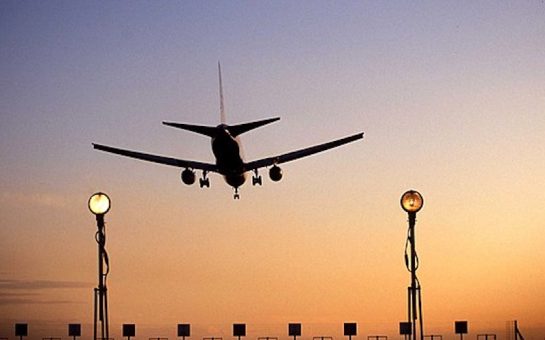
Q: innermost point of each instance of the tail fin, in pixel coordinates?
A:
(222, 108)
(211, 131)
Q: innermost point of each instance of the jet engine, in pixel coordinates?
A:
(275, 173)
(188, 176)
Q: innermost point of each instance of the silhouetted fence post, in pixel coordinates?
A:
(21, 330)
(74, 330)
(405, 329)
(294, 330)
(184, 330)
(129, 330)
(460, 327)
(239, 330)
(350, 329)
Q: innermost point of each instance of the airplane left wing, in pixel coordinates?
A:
(180, 163)
(290, 156)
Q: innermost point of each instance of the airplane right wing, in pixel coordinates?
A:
(290, 156)
(180, 163)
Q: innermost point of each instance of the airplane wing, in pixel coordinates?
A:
(180, 163)
(290, 156)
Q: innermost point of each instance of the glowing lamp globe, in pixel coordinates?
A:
(412, 201)
(99, 203)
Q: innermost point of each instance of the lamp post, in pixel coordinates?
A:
(99, 204)
(412, 202)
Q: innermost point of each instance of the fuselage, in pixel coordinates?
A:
(226, 150)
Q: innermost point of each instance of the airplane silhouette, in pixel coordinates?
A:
(226, 149)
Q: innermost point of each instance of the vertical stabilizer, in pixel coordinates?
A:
(222, 109)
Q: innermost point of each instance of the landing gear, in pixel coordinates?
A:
(236, 196)
(204, 181)
(256, 179)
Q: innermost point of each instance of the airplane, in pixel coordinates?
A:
(226, 150)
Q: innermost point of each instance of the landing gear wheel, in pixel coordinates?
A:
(257, 180)
(204, 181)
(236, 196)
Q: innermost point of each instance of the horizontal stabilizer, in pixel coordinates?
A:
(209, 131)
(236, 130)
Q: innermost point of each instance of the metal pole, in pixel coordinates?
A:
(100, 225)
(420, 313)
(412, 221)
(106, 313)
(409, 309)
(100, 292)
(95, 318)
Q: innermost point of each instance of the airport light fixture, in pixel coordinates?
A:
(411, 202)
(239, 330)
(350, 329)
(184, 330)
(294, 330)
(460, 327)
(74, 330)
(21, 330)
(128, 330)
(99, 205)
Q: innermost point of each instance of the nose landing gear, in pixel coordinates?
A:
(236, 196)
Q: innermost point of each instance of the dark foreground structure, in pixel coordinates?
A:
(294, 330)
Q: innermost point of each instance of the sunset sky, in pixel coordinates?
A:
(450, 95)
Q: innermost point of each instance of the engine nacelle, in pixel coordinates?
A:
(275, 173)
(188, 176)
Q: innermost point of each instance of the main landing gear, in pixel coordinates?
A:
(204, 181)
(256, 179)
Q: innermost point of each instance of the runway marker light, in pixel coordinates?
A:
(129, 330)
(184, 330)
(74, 330)
(21, 330)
